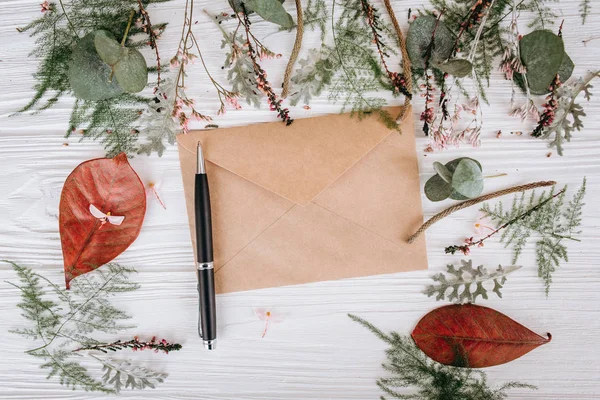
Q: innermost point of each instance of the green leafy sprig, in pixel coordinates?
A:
(415, 376)
(59, 319)
(553, 223)
(465, 277)
(567, 115)
(584, 8)
(113, 121)
(350, 68)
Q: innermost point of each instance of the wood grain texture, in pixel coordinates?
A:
(316, 352)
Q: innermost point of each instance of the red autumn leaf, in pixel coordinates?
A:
(473, 336)
(94, 200)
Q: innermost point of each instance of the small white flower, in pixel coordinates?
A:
(113, 219)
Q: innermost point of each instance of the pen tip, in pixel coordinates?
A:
(200, 168)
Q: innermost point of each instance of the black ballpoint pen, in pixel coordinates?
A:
(207, 318)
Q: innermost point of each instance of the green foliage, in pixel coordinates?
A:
(88, 74)
(349, 68)
(553, 223)
(122, 372)
(59, 318)
(484, 49)
(465, 277)
(584, 8)
(113, 121)
(543, 13)
(459, 179)
(272, 11)
(419, 41)
(415, 376)
(563, 127)
(240, 72)
(314, 74)
(56, 34)
(158, 122)
(542, 53)
(316, 15)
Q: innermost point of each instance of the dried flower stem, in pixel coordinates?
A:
(261, 76)
(465, 248)
(428, 114)
(472, 202)
(152, 37)
(550, 106)
(181, 59)
(135, 345)
(475, 16)
(398, 80)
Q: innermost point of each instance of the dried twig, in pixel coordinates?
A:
(472, 202)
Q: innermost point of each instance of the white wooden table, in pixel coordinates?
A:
(316, 352)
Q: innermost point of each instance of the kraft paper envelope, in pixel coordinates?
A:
(325, 198)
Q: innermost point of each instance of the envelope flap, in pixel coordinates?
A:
(297, 162)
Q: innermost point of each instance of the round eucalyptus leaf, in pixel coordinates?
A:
(88, 74)
(418, 40)
(458, 68)
(131, 71)
(437, 189)
(454, 163)
(542, 53)
(565, 72)
(272, 11)
(236, 5)
(109, 50)
(443, 172)
(566, 68)
(467, 179)
(457, 196)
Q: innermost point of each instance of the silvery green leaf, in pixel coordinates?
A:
(88, 74)
(109, 50)
(457, 196)
(419, 36)
(467, 179)
(466, 276)
(236, 5)
(272, 11)
(542, 53)
(565, 72)
(131, 71)
(443, 172)
(437, 189)
(454, 163)
(457, 68)
(566, 68)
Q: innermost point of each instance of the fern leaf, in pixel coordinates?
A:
(584, 8)
(553, 223)
(414, 376)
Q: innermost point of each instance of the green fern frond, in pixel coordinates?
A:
(415, 376)
(113, 121)
(316, 15)
(544, 14)
(553, 223)
(58, 318)
(584, 9)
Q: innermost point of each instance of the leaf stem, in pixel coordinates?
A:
(67, 17)
(465, 247)
(127, 29)
(73, 313)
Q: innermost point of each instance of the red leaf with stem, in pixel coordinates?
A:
(95, 198)
(473, 336)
